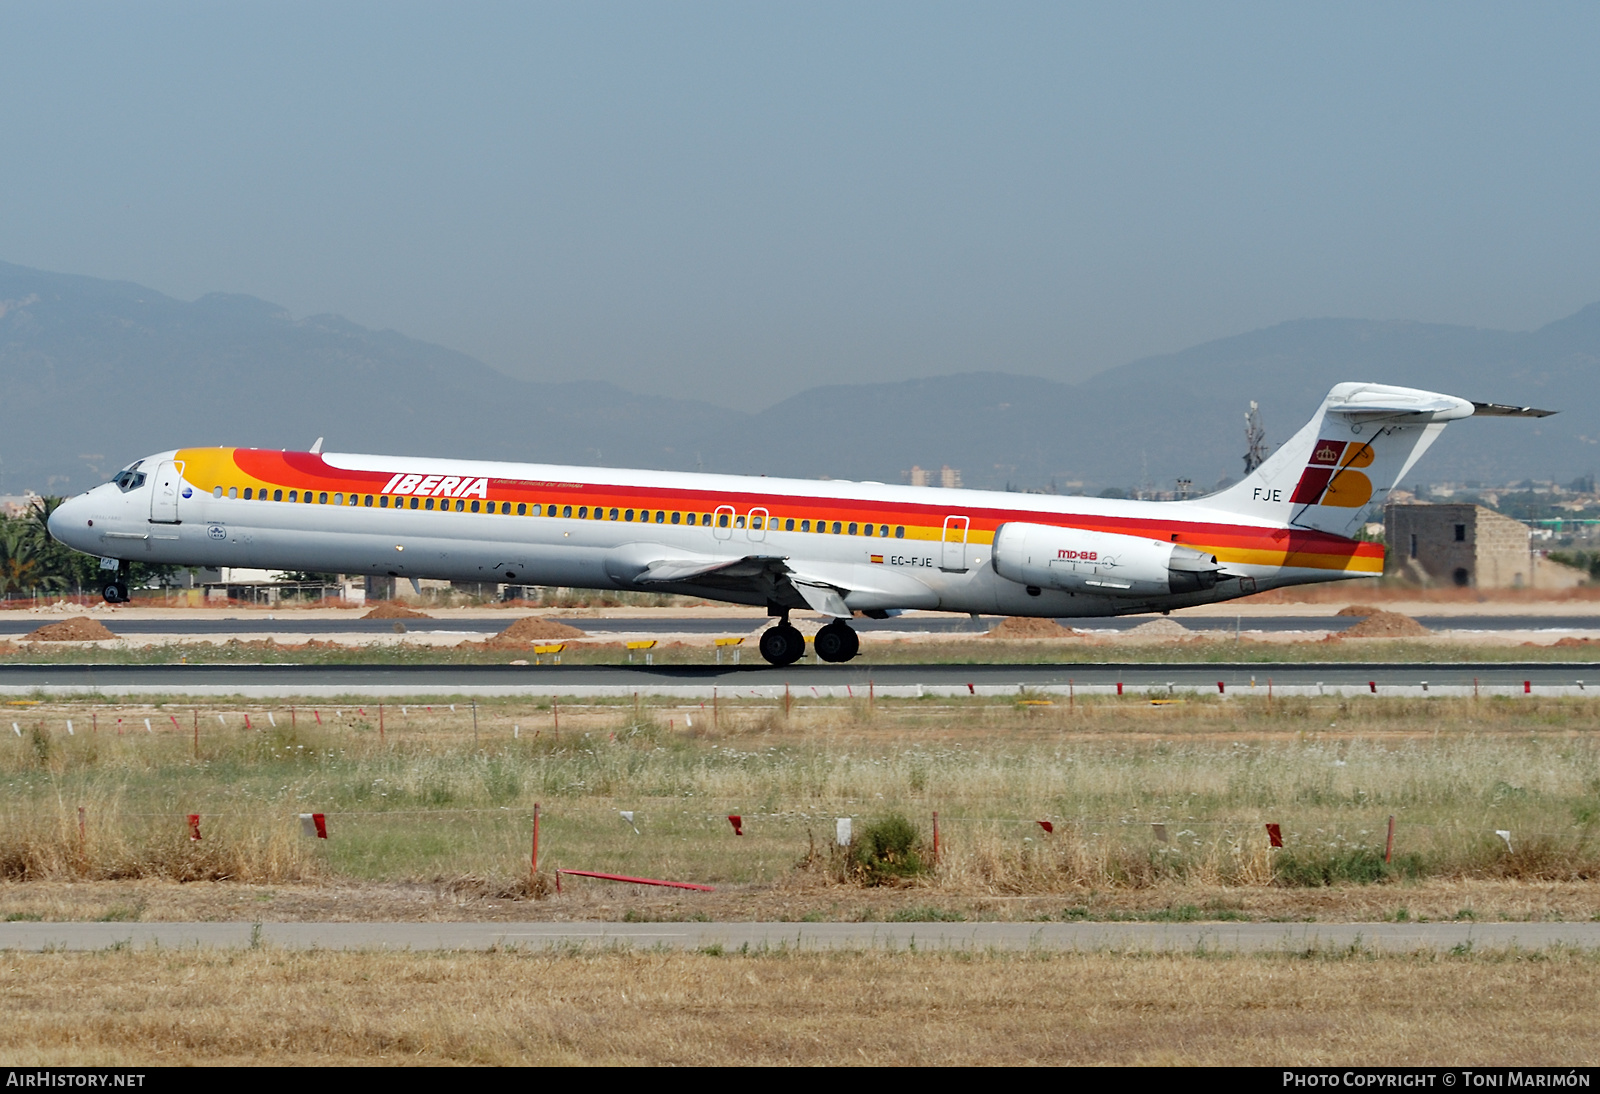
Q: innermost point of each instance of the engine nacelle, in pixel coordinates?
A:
(1077, 560)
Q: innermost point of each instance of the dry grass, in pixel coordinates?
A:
(130, 1008)
(431, 802)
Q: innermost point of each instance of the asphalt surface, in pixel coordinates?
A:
(17, 624)
(822, 680)
(1184, 937)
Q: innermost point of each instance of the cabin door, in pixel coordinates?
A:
(954, 559)
(164, 496)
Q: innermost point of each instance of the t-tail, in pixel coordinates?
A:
(1349, 456)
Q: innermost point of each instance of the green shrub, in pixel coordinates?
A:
(1299, 867)
(887, 849)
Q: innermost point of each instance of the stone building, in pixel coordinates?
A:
(1466, 545)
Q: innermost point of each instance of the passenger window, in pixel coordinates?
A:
(428, 504)
(247, 493)
(383, 501)
(677, 518)
(755, 522)
(835, 527)
(552, 511)
(822, 526)
(322, 498)
(474, 507)
(628, 515)
(852, 528)
(413, 503)
(788, 525)
(294, 495)
(866, 529)
(613, 514)
(233, 491)
(738, 522)
(566, 510)
(661, 516)
(505, 508)
(369, 501)
(583, 512)
(277, 495)
(522, 508)
(805, 526)
(216, 492)
(338, 499)
(900, 531)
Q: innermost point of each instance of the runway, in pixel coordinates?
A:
(737, 937)
(15, 625)
(805, 680)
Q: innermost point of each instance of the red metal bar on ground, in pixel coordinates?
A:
(535, 862)
(935, 836)
(637, 880)
(1388, 845)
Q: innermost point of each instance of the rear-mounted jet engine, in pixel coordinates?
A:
(1075, 560)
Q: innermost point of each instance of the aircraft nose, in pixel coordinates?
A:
(68, 524)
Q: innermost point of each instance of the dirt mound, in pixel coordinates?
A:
(534, 629)
(1386, 625)
(1362, 610)
(389, 609)
(1566, 643)
(1018, 626)
(77, 629)
(1159, 628)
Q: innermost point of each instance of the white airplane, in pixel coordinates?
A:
(838, 548)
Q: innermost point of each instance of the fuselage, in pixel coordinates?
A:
(885, 547)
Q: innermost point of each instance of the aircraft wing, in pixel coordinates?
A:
(830, 588)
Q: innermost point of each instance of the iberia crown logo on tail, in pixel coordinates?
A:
(1331, 478)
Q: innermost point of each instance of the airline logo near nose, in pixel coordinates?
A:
(1331, 478)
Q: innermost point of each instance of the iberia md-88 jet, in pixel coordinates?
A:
(837, 548)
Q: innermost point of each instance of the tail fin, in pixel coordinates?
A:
(1355, 449)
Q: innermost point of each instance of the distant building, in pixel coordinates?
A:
(949, 477)
(1467, 546)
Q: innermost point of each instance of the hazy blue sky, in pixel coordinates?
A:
(738, 201)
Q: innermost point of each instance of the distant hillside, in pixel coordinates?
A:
(97, 372)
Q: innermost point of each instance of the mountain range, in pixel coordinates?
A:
(96, 373)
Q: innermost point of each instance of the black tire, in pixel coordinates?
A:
(782, 645)
(837, 642)
(114, 592)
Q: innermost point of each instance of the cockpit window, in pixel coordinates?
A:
(129, 479)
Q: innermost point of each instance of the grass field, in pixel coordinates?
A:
(432, 801)
(1350, 1008)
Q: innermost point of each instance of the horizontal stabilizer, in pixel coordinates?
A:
(1500, 410)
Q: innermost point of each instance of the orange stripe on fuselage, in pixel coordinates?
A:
(208, 468)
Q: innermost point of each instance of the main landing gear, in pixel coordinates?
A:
(784, 645)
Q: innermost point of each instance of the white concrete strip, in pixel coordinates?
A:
(538, 689)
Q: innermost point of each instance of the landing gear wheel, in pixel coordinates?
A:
(837, 642)
(782, 645)
(115, 592)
